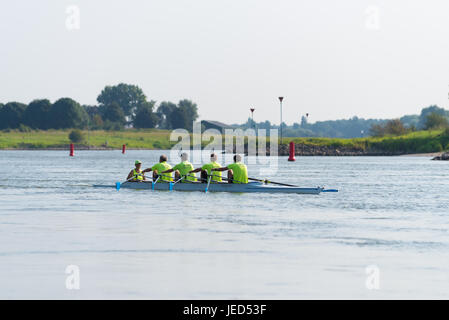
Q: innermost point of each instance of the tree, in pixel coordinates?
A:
(392, 127)
(190, 111)
(11, 115)
(377, 130)
(164, 113)
(129, 97)
(67, 113)
(429, 110)
(436, 121)
(96, 122)
(91, 110)
(264, 125)
(37, 114)
(145, 117)
(395, 127)
(179, 119)
(114, 113)
(410, 121)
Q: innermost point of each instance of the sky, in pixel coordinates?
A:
(330, 59)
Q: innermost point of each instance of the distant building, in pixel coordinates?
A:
(210, 124)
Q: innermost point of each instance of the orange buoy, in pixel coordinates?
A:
(124, 148)
(291, 156)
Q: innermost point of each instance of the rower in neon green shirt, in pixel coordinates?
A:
(136, 175)
(206, 170)
(158, 168)
(182, 170)
(237, 171)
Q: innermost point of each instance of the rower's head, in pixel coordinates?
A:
(163, 158)
(138, 164)
(237, 158)
(184, 156)
(213, 157)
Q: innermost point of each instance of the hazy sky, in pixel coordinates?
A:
(331, 59)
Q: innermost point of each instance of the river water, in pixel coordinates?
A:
(383, 236)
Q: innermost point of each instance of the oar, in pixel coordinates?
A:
(170, 187)
(182, 178)
(272, 182)
(119, 184)
(154, 182)
(208, 182)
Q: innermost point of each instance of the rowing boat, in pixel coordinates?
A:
(221, 187)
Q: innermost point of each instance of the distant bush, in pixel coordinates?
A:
(157, 145)
(76, 136)
(24, 128)
(436, 121)
(392, 127)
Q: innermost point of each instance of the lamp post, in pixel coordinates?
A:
(280, 100)
(252, 116)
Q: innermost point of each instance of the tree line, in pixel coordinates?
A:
(432, 117)
(119, 106)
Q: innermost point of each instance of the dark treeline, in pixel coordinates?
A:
(118, 107)
(432, 117)
(124, 106)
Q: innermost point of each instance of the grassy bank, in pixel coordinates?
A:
(145, 139)
(415, 142)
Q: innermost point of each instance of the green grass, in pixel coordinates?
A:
(145, 139)
(415, 142)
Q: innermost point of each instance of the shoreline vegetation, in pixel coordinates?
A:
(418, 142)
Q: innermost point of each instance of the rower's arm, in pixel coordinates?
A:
(168, 171)
(130, 175)
(196, 170)
(220, 169)
(147, 170)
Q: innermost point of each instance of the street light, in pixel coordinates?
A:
(252, 116)
(280, 100)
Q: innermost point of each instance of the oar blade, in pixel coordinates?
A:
(208, 183)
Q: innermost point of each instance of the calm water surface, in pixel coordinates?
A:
(391, 213)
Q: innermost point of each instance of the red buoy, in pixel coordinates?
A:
(124, 148)
(291, 156)
(72, 150)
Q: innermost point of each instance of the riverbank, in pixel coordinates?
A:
(420, 142)
(93, 140)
